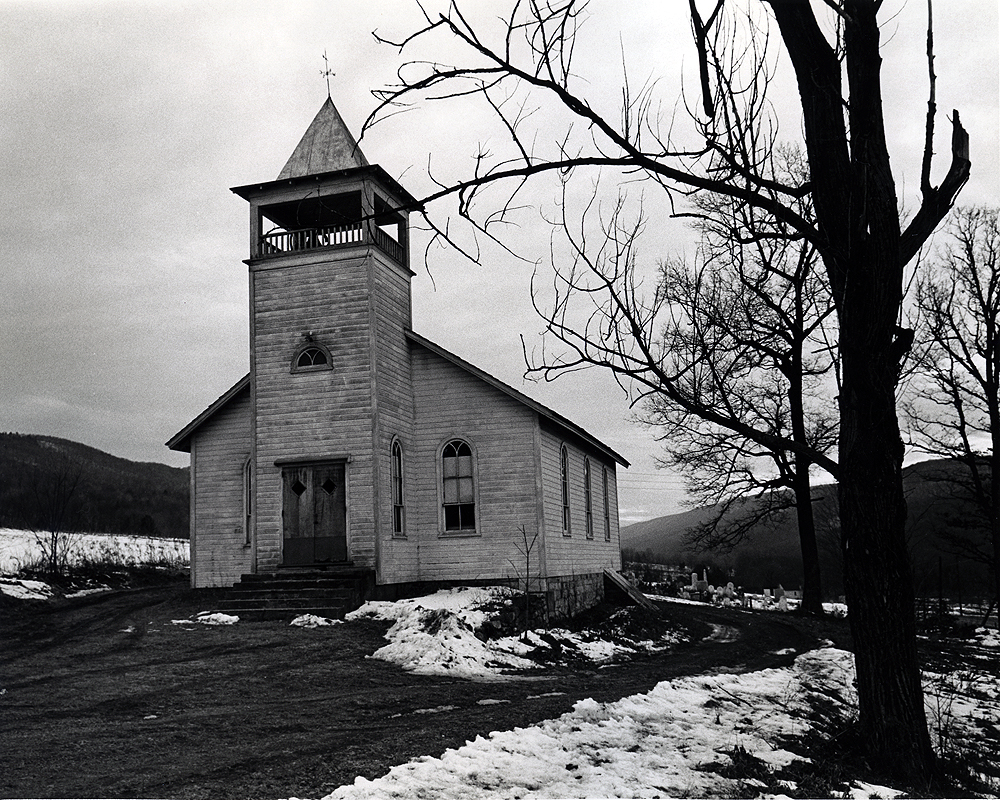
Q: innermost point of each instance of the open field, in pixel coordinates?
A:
(23, 549)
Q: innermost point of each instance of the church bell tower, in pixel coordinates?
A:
(330, 366)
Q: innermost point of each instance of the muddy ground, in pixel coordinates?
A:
(104, 697)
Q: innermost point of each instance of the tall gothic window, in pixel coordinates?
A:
(247, 501)
(588, 498)
(458, 485)
(564, 479)
(398, 509)
(607, 506)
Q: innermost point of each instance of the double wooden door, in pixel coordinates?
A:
(314, 514)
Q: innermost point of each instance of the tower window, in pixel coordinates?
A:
(310, 358)
(458, 487)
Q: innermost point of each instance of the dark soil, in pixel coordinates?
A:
(104, 697)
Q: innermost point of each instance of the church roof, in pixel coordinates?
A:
(182, 439)
(326, 146)
(544, 412)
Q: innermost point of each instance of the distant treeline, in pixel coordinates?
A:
(48, 483)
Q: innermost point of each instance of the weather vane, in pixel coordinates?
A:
(326, 73)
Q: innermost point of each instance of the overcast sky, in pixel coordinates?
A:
(123, 296)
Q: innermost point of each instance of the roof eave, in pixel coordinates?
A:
(251, 190)
(181, 441)
(545, 411)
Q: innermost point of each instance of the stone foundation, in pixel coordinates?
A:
(563, 596)
(567, 595)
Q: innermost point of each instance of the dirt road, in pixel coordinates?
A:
(107, 698)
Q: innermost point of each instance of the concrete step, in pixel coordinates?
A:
(345, 588)
(281, 602)
(328, 592)
(295, 574)
(340, 593)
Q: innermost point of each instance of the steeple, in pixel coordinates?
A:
(326, 146)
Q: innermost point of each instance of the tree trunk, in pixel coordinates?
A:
(812, 589)
(994, 519)
(857, 211)
(877, 576)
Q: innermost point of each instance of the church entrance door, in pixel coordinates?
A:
(314, 515)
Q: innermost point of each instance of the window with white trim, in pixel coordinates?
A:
(458, 487)
(588, 500)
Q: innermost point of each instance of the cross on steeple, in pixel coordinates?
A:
(326, 73)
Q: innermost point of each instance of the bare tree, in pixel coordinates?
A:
(857, 233)
(747, 328)
(56, 508)
(955, 409)
(525, 545)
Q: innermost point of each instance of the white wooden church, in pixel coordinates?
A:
(356, 441)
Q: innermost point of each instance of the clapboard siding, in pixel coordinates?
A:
(451, 403)
(576, 553)
(328, 413)
(357, 308)
(394, 409)
(219, 451)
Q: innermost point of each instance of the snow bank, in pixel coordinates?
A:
(436, 634)
(21, 589)
(439, 635)
(647, 745)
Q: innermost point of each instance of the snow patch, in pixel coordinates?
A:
(208, 618)
(436, 634)
(21, 589)
(439, 634)
(647, 745)
(313, 621)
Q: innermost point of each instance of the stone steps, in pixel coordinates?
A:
(329, 592)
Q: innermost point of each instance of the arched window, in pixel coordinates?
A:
(398, 509)
(247, 501)
(564, 478)
(607, 506)
(310, 358)
(458, 485)
(588, 499)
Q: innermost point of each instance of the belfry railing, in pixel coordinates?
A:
(282, 242)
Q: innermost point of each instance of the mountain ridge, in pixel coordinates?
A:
(47, 480)
(770, 557)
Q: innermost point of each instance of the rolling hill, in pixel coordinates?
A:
(770, 556)
(46, 480)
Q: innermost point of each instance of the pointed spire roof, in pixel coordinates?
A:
(326, 146)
